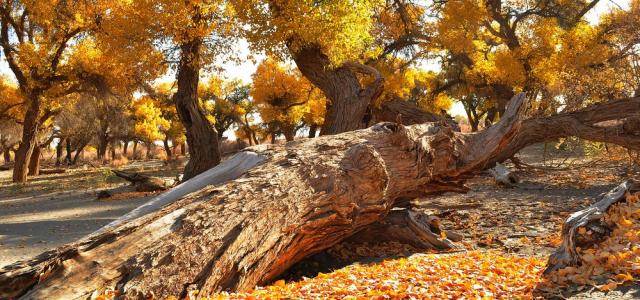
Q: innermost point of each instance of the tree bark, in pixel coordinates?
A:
(585, 123)
(204, 152)
(293, 200)
(7, 155)
(78, 153)
(348, 100)
(149, 150)
(313, 130)
(68, 159)
(167, 148)
(125, 147)
(59, 149)
(29, 140)
(135, 150)
(34, 161)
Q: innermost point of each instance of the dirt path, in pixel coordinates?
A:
(52, 210)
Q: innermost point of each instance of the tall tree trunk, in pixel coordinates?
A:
(204, 152)
(313, 129)
(114, 144)
(68, 158)
(249, 231)
(167, 148)
(29, 140)
(183, 149)
(103, 143)
(135, 150)
(348, 100)
(79, 152)
(7, 155)
(125, 147)
(59, 149)
(149, 150)
(34, 161)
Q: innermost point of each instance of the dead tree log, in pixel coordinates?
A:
(143, 183)
(293, 201)
(591, 219)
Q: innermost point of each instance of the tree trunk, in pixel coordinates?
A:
(204, 152)
(183, 149)
(68, 159)
(114, 144)
(295, 200)
(135, 150)
(59, 148)
(584, 123)
(289, 132)
(313, 130)
(7, 155)
(29, 140)
(78, 153)
(34, 161)
(125, 147)
(348, 100)
(167, 148)
(149, 150)
(103, 142)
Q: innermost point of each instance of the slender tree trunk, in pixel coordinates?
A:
(68, 159)
(273, 137)
(183, 149)
(149, 150)
(125, 147)
(7, 155)
(313, 129)
(167, 148)
(348, 100)
(59, 149)
(114, 144)
(34, 161)
(248, 231)
(135, 150)
(79, 152)
(202, 138)
(103, 143)
(30, 129)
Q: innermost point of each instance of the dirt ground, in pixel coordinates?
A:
(525, 220)
(51, 210)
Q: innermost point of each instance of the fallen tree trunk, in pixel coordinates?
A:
(143, 183)
(296, 200)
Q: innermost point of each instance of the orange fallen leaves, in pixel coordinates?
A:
(617, 258)
(472, 275)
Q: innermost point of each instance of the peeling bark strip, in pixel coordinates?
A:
(305, 197)
(591, 218)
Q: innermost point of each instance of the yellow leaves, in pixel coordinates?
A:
(284, 96)
(341, 28)
(460, 24)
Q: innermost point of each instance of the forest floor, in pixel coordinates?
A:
(524, 221)
(52, 210)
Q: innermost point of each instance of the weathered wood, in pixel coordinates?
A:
(503, 175)
(408, 227)
(591, 219)
(143, 183)
(305, 197)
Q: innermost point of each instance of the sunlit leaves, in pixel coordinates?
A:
(469, 275)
